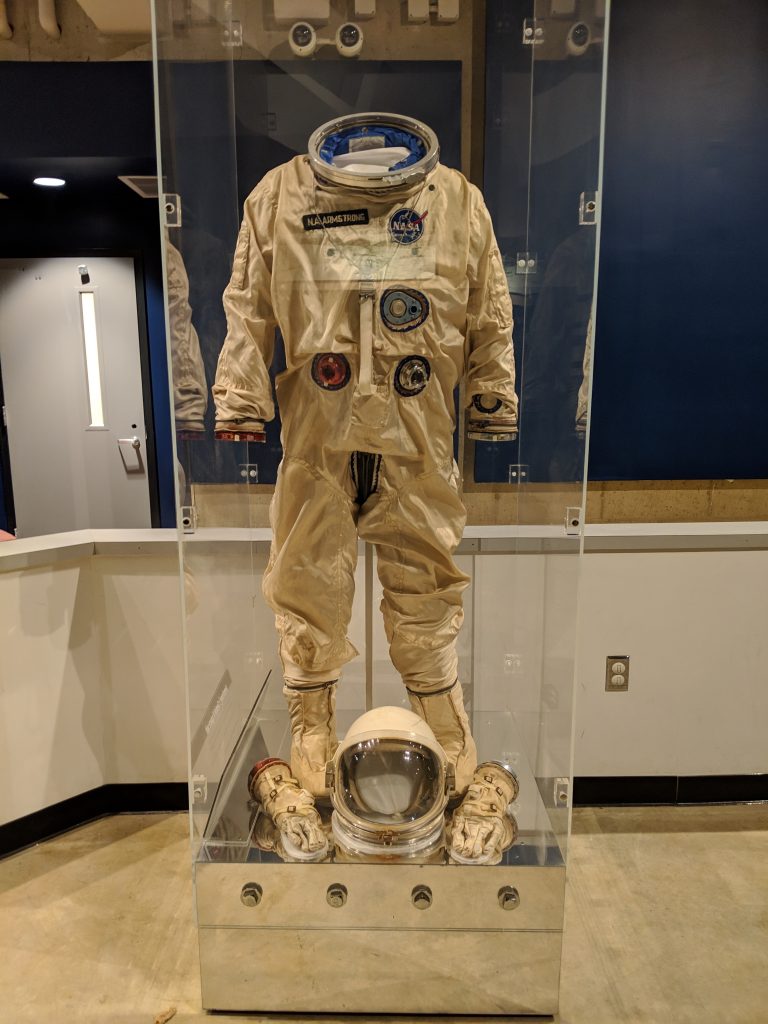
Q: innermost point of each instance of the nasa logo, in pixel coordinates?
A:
(407, 226)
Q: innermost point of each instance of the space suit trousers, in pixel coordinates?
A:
(413, 515)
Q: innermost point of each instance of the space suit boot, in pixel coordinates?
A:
(313, 733)
(291, 808)
(444, 713)
(482, 827)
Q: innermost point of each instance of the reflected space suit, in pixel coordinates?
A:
(381, 270)
(190, 391)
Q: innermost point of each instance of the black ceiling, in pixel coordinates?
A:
(85, 122)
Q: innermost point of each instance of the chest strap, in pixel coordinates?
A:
(367, 298)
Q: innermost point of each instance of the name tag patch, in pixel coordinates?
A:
(334, 219)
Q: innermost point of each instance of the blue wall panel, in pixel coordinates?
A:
(681, 360)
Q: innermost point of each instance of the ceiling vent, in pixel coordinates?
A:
(126, 18)
(144, 184)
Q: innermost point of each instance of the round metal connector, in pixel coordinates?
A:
(337, 894)
(251, 894)
(421, 897)
(509, 897)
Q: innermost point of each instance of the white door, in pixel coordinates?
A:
(69, 355)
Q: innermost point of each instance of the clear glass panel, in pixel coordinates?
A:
(378, 312)
(547, 91)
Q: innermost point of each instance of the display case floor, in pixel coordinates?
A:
(227, 828)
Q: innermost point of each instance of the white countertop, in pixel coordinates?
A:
(28, 553)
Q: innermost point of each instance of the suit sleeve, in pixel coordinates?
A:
(582, 402)
(242, 391)
(190, 391)
(490, 357)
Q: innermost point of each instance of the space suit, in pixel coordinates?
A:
(381, 270)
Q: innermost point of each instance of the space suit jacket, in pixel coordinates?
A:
(334, 268)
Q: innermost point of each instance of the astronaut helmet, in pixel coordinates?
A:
(390, 783)
(373, 152)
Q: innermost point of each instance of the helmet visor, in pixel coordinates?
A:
(389, 782)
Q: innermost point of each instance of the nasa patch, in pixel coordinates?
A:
(407, 226)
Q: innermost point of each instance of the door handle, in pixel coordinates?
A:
(130, 452)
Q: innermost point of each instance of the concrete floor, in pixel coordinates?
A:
(667, 921)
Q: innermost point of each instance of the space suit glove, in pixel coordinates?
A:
(240, 430)
(482, 827)
(291, 808)
(266, 836)
(491, 419)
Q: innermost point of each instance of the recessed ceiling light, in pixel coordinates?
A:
(50, 182)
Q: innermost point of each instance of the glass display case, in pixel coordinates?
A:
(429, 344)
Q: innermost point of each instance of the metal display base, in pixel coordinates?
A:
(381, 951)
(364, 936)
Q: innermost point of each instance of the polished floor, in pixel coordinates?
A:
(667, 922)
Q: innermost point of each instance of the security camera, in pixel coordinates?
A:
(349, 39)
(302, 39)
(579, 38)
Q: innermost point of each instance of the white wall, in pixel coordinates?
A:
(91, 687)
(52, 698)
(695, 625)
(137, 603)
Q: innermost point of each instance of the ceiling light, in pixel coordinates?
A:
(50, 182)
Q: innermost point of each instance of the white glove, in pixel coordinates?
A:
(482, 829)
(292, 810)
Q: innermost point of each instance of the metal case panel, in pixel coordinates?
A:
(379, 896)
(349, 970)
(463, 954)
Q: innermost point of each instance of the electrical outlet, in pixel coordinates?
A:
(513, 664)
(617, 673)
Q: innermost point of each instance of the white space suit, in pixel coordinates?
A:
(388, 288)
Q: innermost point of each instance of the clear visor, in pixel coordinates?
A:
(389, 781)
